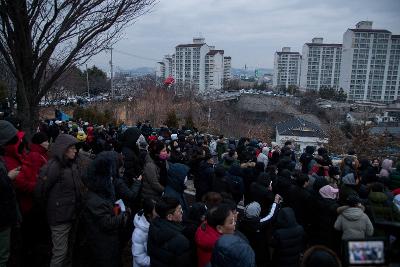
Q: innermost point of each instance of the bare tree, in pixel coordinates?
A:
(41, 39)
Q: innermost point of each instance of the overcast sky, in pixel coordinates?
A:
(250, 31)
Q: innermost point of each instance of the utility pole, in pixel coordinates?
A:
(112, 74)
(87, 82)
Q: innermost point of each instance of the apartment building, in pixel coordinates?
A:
(227, 68)
(370, 64)
(320, 65)
(214, 70)
(198, 66)
(286, 68)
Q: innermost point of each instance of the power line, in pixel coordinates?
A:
(136, 56)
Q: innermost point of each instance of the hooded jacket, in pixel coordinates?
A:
(63, 185)
(151, 180)
(380, 205)
(102, 225)
(206, 237)
(177, 173)
(26, 180)
(288, 239)
(354, 223)
(12, 158)
(139, 241)
(132, 161)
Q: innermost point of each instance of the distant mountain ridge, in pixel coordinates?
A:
(235, 71)
(136, 71)
(251, 72)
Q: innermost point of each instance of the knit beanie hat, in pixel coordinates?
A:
(328, 192)
(252, 210)
(7, 131)
(39, 138)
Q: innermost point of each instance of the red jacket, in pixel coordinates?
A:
(12, 158)
(26, 180)
(206, 237)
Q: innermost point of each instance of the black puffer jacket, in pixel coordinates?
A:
(132, 161)
(288, 239)
(102, 230)
(167, 246)
(63, 185)
(261, 194)
(322, 231)
(299, 199)
(259, 235)
(102, 226)
(204, 180)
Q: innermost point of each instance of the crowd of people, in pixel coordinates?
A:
(79, 194)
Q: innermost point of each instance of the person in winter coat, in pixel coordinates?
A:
(33, 226)
(299, 199)
(205, 177)
(132, 162)
(166, 244)
(26, 181)
(221, 147)
(263, 156)
(307, 159)
(220, 220)
(221, 183)
(288, 239)
(15, 151)
(142, 222)
(195, 217)
(258, 229)
(232, 251)
(154, 168)
(349, 163)
(384, 175)
(353, 222)
(261, 192)
(324, 208)
(8, 202)
(63, 189)
(379, 202)
(102, 222)
(348, 188)
(177, 177)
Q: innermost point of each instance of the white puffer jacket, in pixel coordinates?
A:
(139, 241)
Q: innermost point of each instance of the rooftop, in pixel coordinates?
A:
(370, 30)
(214, 52)
(190, 45)
(395, 131)
(300, 127)
(288, 53)
(318, 44)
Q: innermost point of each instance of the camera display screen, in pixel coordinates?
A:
(366, 252)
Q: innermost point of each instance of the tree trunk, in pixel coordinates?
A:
(27, 108)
